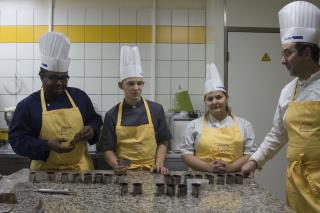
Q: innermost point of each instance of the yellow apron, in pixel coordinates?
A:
(220, 143)
(303, 172)
(63, 123)
(136, 143)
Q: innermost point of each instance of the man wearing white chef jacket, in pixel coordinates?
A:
(135, 129)
(53, 125)
(297, 118)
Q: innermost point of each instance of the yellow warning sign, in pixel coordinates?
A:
(266, 57)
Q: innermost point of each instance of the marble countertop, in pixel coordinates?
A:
(103, 197)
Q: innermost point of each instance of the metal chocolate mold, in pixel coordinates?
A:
(220, 179)
(137, 189)
(160, 189)
(98, 178)
(196, 189)
(182, 190)
(87, 178)
(239, 179)
(171, 190)
(230, 179)
(210, 178)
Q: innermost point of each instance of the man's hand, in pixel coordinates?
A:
(249, 168)
(120, 169)
(160, 169)
(58, 146)
(85, 134)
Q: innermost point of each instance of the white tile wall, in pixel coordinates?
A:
(146, 68)
(76, 68)
(7, 86)
(24, 68)
(164, 100)
(36, 68)
(41, 16)
(176, 82)
(180, 17)
(179, 51)
(196, 86)
(60, 16)
(145, 51)
(37, 84)
(197, 52)
(36, 53)
(92, 85)
(197, 102)
(110, 68)
(110, 86)
(92, 68)
(8, 16)
(197, 69)
(96, 101)
(93, 16)
(144, 17)
(25, 16)
(179, 69)
(76, 82)
(163, 68)
(21, 97)
(128, 17)
(163, 51)
(110, 51)
(24, 51)
(109, 101)
(197, 17)
(111, 17)
(24, 86)
(147, 86)
(7, 101)
(7, 68)
(163, 86)
(163, 17)
(92, 50)
(76, 16)
(8, 51)
(76, 51)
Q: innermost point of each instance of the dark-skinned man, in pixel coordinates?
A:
(53, 125)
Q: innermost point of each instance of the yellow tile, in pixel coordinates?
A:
(197, 35)
(38, 31)
(93, 33)
(61, 28)
(163, 34)
(128, 34)
(144, 34)
(180, 35)
(8, 34)
(110, 34)
(76, 33)
(25, 34)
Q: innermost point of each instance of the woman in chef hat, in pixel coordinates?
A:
(217, 142)
(296, 120)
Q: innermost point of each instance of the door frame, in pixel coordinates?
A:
(226, 45)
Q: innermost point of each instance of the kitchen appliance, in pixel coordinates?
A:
(8, 114)
(178, 123)
(183, 102)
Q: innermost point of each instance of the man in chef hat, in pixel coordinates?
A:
(218, 141)
(135, 130)
(53, 125)
(297, 120)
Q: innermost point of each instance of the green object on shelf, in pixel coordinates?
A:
(183, 102)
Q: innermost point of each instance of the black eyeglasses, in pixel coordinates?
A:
(56, 78)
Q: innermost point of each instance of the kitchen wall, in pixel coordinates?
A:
(172, 47)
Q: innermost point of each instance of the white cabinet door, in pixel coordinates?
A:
(254, 88)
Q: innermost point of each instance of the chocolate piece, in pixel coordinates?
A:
(182, 190)
(64, 177)
(123, 188)
(230, 179)
(196, 189)
(87, 178)
(168, 179)
(160, 189)
(76, 177)
(186, 177)
(137, 188)
(176, 179)
(9, 198)
(98, 178)
(210, 178)
(171, 190)
(239, 179)
(220, 180)
(198, 176)
(51, 176)
(107, 178)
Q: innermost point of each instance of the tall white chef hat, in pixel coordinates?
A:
(213, 80)
(299, 22)
(130, 64)
(54, 49)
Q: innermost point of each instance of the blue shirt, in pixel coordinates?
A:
(134, 116)
(26, 124)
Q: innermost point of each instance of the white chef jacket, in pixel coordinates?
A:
(277, 137)
(194, 129)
